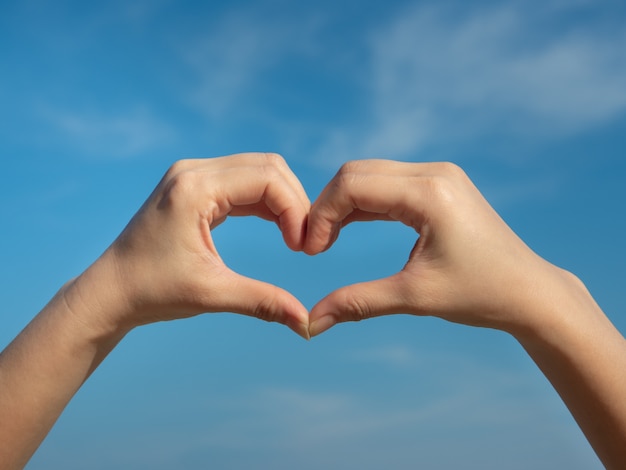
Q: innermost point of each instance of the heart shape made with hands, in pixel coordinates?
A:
(361, 191)
(362, 252)
(463, 250)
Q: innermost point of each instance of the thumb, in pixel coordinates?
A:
(247, 296)
(358, 302)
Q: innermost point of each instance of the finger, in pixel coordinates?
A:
(240, 294)
(290, 176)
(359, 302)
(249, 184)
(365, 190)
(267, 188)
(261, 160)
(251, 159)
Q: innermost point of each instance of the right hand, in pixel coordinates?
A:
(467, 266)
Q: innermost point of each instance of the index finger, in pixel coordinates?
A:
(263, 185)
(366, 190)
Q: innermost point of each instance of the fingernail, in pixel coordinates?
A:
(304, 331)
(301, 329)
(321, 324)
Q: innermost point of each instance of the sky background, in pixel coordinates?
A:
(97, 99)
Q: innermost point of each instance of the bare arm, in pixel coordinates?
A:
(162, 267)
(469, 267)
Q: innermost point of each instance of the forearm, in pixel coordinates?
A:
(42, 369)
(584, 357)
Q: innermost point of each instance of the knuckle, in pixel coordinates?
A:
(348, 174)
(178, 167)
(351, 168)
(265, 310)
(444, 182)
(274, 159)
(449, 168)
(451, 171)
(181, 186)
(356, 308)
(270, 166)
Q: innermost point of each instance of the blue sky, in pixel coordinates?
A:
(97, 99)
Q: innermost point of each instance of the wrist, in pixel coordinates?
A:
(556, 305)
(97, 301)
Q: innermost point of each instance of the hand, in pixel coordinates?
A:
(165, 264)
(467, 265)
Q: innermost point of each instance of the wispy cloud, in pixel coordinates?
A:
(317, 427)
(231, 59)
(392, 355)
(130, 133)
(487, 414)
(454, 75)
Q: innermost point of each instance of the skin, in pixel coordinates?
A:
(467, 267)
(163, 266)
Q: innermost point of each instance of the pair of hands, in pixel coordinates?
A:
(467, 265)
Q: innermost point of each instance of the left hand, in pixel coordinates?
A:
(165, 264)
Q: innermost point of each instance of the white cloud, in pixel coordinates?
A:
(440, 76)
(316, 428)
(128, 134)
(394, 355)
(229, 60)
(450, 412)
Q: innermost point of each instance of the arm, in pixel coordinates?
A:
(163, 266)
(469, 267)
